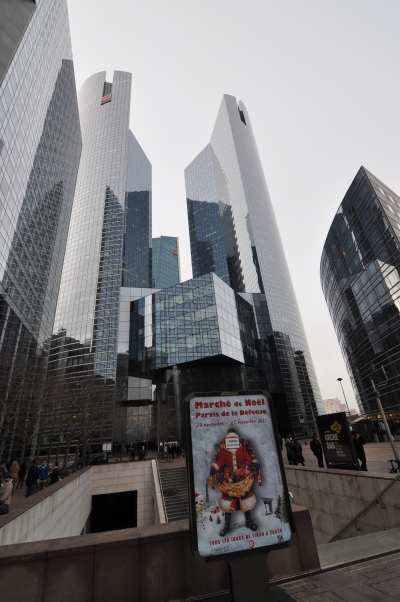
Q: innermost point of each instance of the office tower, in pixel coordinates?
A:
(198, 335)
(165, 261)
(137, 235)
(108, 245)
(361, 281)
(40, 145)
(233, 232)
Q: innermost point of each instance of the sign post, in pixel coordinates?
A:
(237, 489)
(337, 441)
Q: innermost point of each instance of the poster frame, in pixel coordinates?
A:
(190, 476)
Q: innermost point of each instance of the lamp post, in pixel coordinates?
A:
(383, 414)
(344, 395)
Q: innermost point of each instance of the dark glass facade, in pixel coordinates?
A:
(137, 259)
(213, 241)
(360, 279)
(233, 232)
(40, 146)
(111, 208)
(197, 335)
(165, 261)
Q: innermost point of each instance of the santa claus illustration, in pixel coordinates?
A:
(234, 473)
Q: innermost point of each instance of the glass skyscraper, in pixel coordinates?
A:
(108, 246)
(360, 277)
(40, 146)
(165, 261)
(197, 335)
(233, 232)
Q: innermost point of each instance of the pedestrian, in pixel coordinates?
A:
(359, 447)
(32, 478)
(14, 471)
(21, 475)
(54, 474)
(316, 448)
(291, 451)
(299, 452)
(43, 474)
(6, 488)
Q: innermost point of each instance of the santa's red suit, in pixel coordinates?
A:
(235, 466)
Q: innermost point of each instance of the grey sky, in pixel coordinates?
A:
(320, 80)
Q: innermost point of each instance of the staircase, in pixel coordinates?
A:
(175, 491)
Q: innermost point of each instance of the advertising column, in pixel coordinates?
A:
(238, 493)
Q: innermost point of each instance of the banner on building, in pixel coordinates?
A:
(238, 494)
(337, 441)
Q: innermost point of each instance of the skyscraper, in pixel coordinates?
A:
(40, 145)
(108, 245)
(360, 277)
(233, 232)
(165, 261)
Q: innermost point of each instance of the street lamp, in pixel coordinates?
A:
(383, 414)
(344, 394)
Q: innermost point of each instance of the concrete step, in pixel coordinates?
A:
(175, 492)
(358, 548)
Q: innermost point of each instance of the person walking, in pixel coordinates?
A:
(21, 475)
(32, 479)
(44, 474)
(298, 450)
(359, 447)
(14, 471)
(6, 488)
(54, 475)
(291, 451)
(316, 448)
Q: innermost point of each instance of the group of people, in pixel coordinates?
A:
(294, 452)
(169, 450)
(14, 476)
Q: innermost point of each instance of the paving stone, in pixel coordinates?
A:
(370, 581)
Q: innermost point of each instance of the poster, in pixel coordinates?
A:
(336, 441)
(238, 494)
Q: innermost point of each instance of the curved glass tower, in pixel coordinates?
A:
(360, 277)
(108, 246)
(40, 145)
(233, 232)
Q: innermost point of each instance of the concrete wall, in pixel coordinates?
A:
(62, 510)
(136, 565)
(334, 498)
(61, 514)
(128, 476)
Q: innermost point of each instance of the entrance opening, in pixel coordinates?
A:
(113, 511)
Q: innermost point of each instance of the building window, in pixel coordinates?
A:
(242, 116)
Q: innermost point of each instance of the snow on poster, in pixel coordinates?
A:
(238, 496)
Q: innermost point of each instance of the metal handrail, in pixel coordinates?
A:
(161, 489)
(396, 479)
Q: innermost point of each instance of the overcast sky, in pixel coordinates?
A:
(320, 79)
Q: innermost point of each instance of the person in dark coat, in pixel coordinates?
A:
(316, 449)
(291, 452)
(32, 479)
(359, 447)
(298, 450)
(54, 474)
(21, 475)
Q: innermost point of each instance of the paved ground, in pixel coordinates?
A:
(377, 454)
(371, 581)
